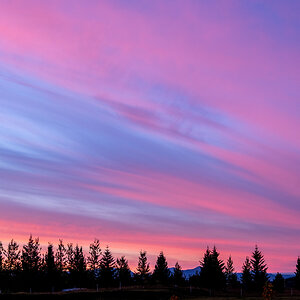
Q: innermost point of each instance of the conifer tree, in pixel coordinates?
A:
(143, 269)
(259, 269)
(94, 256)
(1, 257)
(107, 268)
(70, 257)
(212, 270)
(50, 267)
(12, 257)
(246, 274)
(2, 283)
(178, 277)
(31, 255)
(78, 266)
(231, 276)
(278, 283)
(49, 260)
(79, 263)
(31, 263)
(60, 257)
(161, 272)
(124, 274)
(297, 274)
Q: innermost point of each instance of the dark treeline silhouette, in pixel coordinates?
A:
(66, 266)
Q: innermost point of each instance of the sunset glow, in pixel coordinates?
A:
(155, 125)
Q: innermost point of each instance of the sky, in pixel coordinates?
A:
(152, 125)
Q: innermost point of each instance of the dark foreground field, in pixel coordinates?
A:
(138, 294)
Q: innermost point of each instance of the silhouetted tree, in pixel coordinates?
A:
(2, 281)
(246, 274)
(31, 262)
(93, 261)
(124, 274)
(278, 283)
(231, 276)
(161, 271)
(60, 257)
(143, 269)
(178, 278)
(76, 264)
(50, 268)
(212, 270)
(297, 274)
(94, 255)
(1, 257)
(12, 257)
(258, 269)
(107, 268)
(31, 255)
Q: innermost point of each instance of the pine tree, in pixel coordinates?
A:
(12, 257)
(231, 276)
(212, 270)
(1, 257)
(70, 257)
(278, 283)
(95, 256)
(259, 269)
(60, 257)
(297, 274)
(161, 272)
(49, 260)
(124, 274)
(143, 269)
(246, 274)
(31, 263)
(2, 276)
(79, 263)
(50, 267)
(78, 267)
(107, 268)
(178, 278)
(31, 255)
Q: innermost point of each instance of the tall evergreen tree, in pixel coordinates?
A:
(107, 268)
(31, 255)
(259, 269)
(212, 270)
(78, 267)
(247, 275)
(94, 255)
(76, 264)
(31, 262)
(2, 283)
(60, 257)
(178, 278)
(70, 257)
(50, 267)
(93, 261)
(231, 276)
(161, 272)
(143, 269)
(12, 257)
(297, 274)
(124, 274)
(1, 257)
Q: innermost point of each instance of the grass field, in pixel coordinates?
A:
(133, 294)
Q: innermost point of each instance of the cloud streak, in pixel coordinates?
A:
(156, 125)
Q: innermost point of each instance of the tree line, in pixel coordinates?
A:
(27, 269)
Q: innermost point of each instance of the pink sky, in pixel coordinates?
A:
(156, 125)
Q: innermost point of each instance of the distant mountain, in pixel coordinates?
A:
(189, 272)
